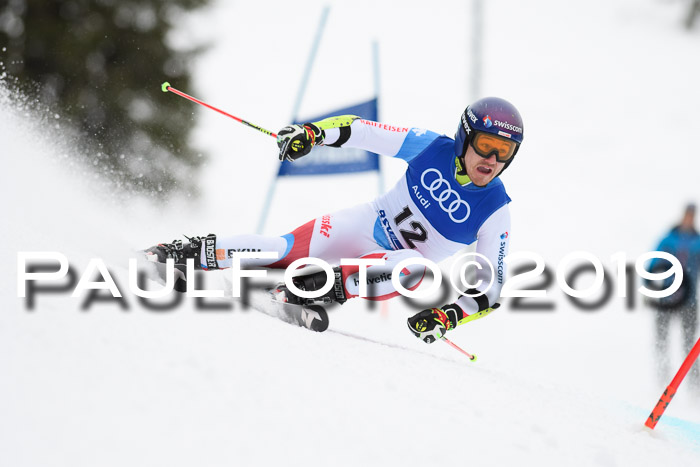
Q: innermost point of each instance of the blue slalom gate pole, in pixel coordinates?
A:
(295, 112)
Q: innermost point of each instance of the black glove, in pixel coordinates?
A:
(431, 324)
(297, 140)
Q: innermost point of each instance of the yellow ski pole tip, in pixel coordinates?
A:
(164, 87)
(473, 359)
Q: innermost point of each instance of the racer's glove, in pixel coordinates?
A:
(431, 324)
(297, 140)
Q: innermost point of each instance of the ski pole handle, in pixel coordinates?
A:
(165, 87)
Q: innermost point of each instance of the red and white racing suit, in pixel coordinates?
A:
(427, 214)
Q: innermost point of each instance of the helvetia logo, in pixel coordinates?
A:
(383, 277)
(487, 121)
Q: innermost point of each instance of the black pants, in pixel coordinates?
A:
(688, 316)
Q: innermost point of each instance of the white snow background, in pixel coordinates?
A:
(608, 92)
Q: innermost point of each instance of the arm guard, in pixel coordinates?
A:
(342, 122)
(457, 316)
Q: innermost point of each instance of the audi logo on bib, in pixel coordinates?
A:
(441, 191)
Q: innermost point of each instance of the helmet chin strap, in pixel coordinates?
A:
(461, 172)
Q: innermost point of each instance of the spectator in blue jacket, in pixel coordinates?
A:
(683, 242)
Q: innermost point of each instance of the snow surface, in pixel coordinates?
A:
(608, 91)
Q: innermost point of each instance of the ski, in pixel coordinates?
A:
(312, 317)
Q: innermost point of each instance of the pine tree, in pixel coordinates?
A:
(101, 63)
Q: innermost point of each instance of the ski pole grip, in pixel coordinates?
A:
(164, 87)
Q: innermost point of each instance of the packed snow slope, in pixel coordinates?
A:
(116, 385)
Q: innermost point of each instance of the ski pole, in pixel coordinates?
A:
(471, 357)
(165, 87)
(671, 389)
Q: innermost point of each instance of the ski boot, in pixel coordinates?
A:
(310, 282)
(180, 252)
(309, 312)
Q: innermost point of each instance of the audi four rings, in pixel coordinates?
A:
(455, 205)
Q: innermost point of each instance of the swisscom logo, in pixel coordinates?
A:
(487, 121)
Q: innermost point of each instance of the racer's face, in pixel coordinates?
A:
(481, 170)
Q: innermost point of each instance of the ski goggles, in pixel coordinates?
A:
(487, 145)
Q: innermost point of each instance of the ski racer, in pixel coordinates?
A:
(450, 197)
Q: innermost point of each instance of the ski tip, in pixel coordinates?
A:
(320, 321)
(164, 87)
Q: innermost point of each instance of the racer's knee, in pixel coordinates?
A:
(378, 283)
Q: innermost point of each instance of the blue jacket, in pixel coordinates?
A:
(684, 245)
